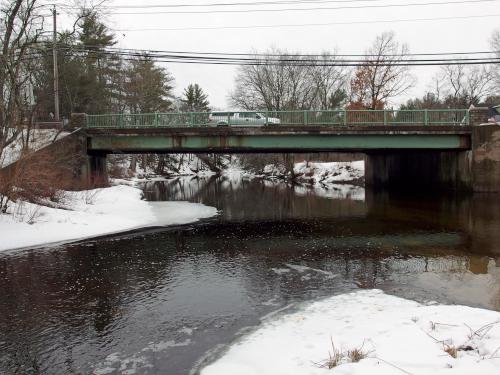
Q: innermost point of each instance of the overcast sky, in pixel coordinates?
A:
(422, 37)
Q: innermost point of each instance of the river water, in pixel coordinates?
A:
(166, 301)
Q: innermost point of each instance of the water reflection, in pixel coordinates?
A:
(249, 200)
(156, 302)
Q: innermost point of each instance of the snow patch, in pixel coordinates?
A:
(93, 213)
(400, 336)
(328, 173)
(137, 362)
(302, 269)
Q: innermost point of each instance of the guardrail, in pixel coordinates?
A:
(458, 117)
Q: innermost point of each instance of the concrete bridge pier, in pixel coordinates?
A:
(476, 168)
(416, 170)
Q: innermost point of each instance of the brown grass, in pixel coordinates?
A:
(356, 355)
(451, 350)
(336, 357)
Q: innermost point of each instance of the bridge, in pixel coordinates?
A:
(279, 131)
(445, 149)
(440, 149)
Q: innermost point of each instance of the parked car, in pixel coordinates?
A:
(494, 114)
(241, 119)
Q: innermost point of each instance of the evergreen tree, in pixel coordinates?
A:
(148, 87)
(100, 89)
(194, 99)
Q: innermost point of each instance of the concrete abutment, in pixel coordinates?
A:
(486, 158)
(474, 170)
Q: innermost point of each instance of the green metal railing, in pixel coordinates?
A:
(458, 117)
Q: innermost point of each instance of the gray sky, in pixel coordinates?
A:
(422, 37)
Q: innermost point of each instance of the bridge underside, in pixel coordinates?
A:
(284, 139)
(411, 156)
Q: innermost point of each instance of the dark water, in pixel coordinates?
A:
(164, 301)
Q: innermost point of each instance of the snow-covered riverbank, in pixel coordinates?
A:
(92, 213)
(318, 173)
(394, 335)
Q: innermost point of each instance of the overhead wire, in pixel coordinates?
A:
(208, 5)
(90, 47)
(267, 10)
(303, 60)
(272, 26)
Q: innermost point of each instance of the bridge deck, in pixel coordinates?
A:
(278, 139)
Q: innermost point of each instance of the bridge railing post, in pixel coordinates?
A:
(345, 117)
(305, 118)
(385, 117)
(426, 116)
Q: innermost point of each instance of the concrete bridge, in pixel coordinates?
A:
(438, 149)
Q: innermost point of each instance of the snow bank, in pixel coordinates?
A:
(328, 173)
(234, 171)
(400, 337)
(317, 173)
(93, 213)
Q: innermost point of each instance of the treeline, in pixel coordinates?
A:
(305, 82)
(94, 80)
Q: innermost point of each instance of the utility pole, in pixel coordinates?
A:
(56, 68)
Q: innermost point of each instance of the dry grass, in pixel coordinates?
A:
(356, 355)
(451, 350)
(336, 357)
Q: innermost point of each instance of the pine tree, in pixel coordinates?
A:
(194, 99)
(100, 85)
(148, 87)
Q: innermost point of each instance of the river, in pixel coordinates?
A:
(168, 300)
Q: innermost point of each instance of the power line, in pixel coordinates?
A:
(309, 24)
(144, 51)
(135, 55)
(249, 4)
(339, 63)
(309, 9)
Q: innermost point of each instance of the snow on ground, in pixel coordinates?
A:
(92, 213)
(318, 173)
(234, 171)
(398, 335)
(38, 140)
(328, 173)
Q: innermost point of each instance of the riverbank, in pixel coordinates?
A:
(369, 332)
(92, 213)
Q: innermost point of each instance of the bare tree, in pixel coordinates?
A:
(329, 82)
(466, 85)
(20, 31)
(284, 81)
(383, 76)
(495, 46)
